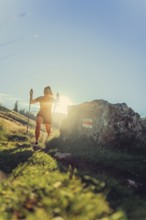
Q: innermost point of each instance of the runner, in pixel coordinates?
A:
(44, 115)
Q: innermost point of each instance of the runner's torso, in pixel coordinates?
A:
(45, 108)
(45, 104)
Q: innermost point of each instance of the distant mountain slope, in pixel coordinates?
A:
(15, 118)
(20, 119)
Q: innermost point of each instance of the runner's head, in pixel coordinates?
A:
(47, 91)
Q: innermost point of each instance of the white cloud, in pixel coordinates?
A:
(3, 95)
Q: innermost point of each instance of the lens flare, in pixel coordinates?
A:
(61, 107)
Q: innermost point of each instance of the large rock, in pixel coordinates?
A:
(104, 124)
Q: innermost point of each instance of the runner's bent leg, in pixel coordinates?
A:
(39, 121)
(48, 128)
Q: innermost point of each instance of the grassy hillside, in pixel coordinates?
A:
(90, 185)
(36, 189)
(32, 186)
(15, 117)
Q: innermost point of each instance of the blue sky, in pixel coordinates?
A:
(84, 49)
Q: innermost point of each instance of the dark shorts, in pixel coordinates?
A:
(47, 119)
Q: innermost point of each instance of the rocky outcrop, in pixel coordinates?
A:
(104, 124)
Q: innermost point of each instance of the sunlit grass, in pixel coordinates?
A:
(37, 190)
(11, 126)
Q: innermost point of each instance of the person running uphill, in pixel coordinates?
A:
(44, 115)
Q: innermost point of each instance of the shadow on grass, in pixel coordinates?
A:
(86, 156)
(114, 167)
(10, 159)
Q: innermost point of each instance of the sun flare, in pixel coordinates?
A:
(61, 107)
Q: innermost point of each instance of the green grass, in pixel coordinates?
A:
(112, 166)
(121, 162)
(36, 188)
(39, 187)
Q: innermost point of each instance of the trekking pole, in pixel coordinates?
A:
(31, 94)
(56, 102)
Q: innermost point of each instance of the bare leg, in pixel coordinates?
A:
(48, 129)
(39, 121)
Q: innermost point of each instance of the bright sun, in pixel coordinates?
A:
(61, 107)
